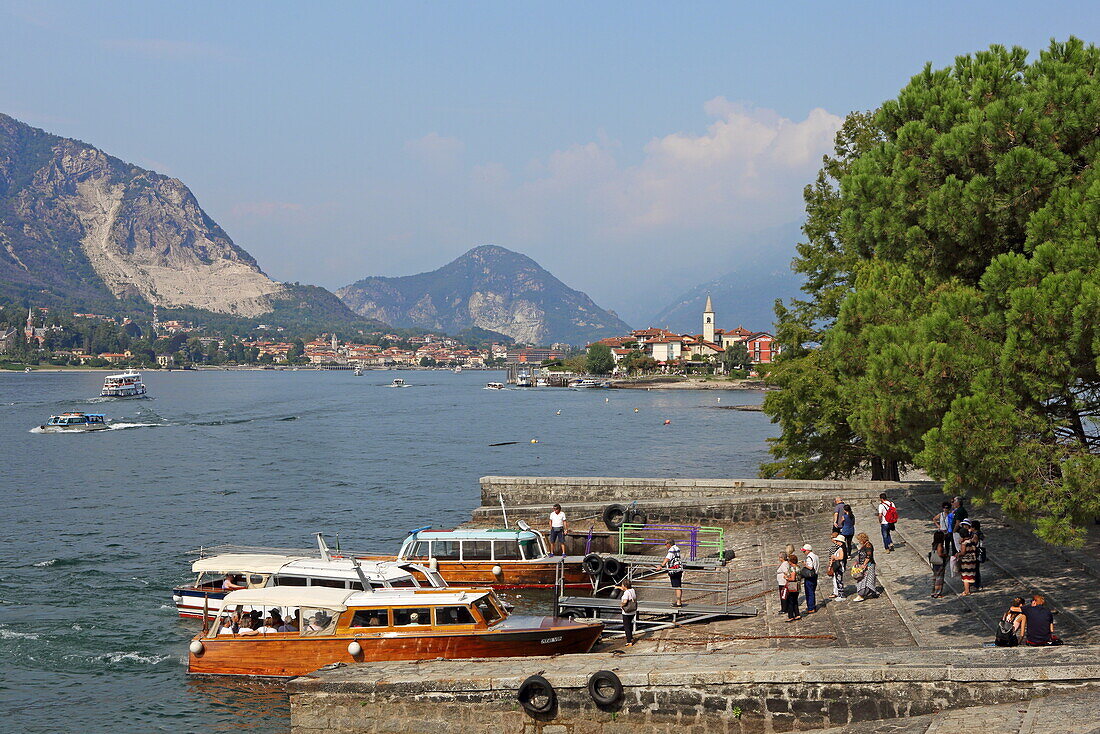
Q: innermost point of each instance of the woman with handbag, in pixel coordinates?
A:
(967, 557)
(864, 569)
(837, 561)
(937, 557)
(790, 600)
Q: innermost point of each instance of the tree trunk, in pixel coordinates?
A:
(877, 471)
(885, 470)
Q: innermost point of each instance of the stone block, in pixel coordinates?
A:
(777, 705)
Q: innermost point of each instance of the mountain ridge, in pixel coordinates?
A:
(489, 287)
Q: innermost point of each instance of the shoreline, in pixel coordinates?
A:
(692, 384)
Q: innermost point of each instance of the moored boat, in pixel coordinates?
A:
(126, 385)
(326, 626)
(74, 423)
(501, 559)
(523, 379)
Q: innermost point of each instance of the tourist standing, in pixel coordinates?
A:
(1039, 624)
(628, 605)
(967, 556)
(941, 518)
(837, 562)
(937, 557)
(848, 527)
(790, 601)
(887, 516)
(809, 577)
(675, 571)
(954, 519)
(838, 513)
(557, 530)
(979, 552)
(781, 579)
(864, 569)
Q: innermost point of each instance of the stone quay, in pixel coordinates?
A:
(902, 662)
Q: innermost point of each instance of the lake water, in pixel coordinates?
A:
(96, 527)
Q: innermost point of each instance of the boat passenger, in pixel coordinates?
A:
(317, 623)
(230, 584)
(247, 630)
(227, 626)
(289, 625)
(276, 618)
(269, 627)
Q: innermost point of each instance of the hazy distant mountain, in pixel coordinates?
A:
(742, 298)
(78, 226)
(491, 288)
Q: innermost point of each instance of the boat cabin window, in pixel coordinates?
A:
(411, 617)
(370, 618)
(530, 548)
(477, 550)
(445, 550)
(329, 583)
(419, 550)
(257, 580)
(453, 615)
(317, 622)
(405, 583)
(291, 581)
(506, 550)
(489, 610)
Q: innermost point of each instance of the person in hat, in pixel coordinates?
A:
(809, 577)
(838, 559)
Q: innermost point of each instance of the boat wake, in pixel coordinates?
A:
(7, 634)
(114, 658)
(45, 564)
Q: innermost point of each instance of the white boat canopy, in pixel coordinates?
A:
(317, 597)
(244, 563)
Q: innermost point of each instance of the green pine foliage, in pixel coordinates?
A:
(952, 259)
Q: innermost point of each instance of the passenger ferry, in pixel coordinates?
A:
(589, 382)
(398, 382)
(126, 385)
(501, 559)
(267, 568)
(523, 379)
(75, 422)
(326, 626)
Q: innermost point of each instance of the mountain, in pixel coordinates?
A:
(491, 288)
(80, 227)
(745, 297)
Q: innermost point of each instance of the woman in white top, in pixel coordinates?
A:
(781, 580)
(268, 627)
(227, 626)
(246, 628)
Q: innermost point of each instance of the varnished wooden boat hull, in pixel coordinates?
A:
(290, 655)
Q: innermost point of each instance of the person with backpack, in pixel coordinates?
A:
(937, 558)
(628, 605)
(887, 516)
(809, 577)
(790, 599)
(837, 562)
(675, 568)
(1012, 627)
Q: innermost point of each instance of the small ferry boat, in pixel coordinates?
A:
(398, 382)
(501, 559)
(266, 568)
(74, 422)
(589, 382)
(523, 379)
(326, 626)
(494, 385)
(458, 369)
(358, 371)
(126, 385)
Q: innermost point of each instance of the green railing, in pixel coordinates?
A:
(696, 540)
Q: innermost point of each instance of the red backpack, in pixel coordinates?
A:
(891, 513)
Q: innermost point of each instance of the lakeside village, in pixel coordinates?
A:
(39, 337)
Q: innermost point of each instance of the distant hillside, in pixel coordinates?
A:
(79, 227)
(491, 288)
(744, 298)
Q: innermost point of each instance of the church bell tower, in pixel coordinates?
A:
(708, 321)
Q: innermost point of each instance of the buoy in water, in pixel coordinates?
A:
(668, 422)
(635, 410)
(558, 413)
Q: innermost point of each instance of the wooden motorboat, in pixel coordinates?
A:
(74, 422)
(328, 626)
(500, 559)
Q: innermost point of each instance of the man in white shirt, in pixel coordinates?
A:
(557, 530)
(810, 583)
(675, 571)
(884, 507)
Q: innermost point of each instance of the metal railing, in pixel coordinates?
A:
(697, 540)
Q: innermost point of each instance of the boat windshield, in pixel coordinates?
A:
(490, 610)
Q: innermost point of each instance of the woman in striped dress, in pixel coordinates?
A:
(967, 558)
(866, 587)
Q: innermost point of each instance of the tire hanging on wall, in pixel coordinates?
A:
(593, 564)
(605, 688)
(536, 695)
(637, 517)
(612, 567)
(614, 516)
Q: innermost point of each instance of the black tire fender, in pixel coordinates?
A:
(572, 613)
(536, 695)
(637, 517)
(610, 513)
(605, 688)
(612, 567)
(593, 564)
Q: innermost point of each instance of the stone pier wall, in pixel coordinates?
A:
(521, 491)
(701, 694)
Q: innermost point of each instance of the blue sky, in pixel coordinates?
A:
(634, 149)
